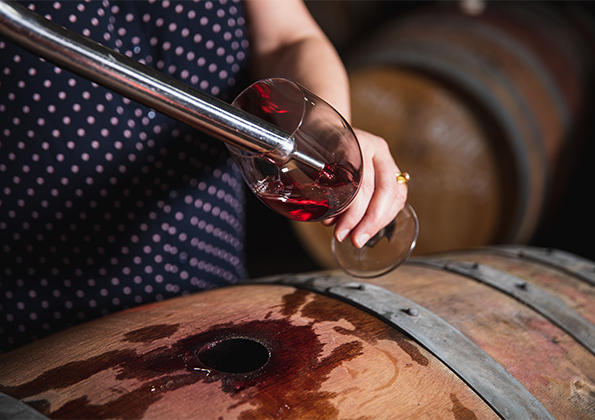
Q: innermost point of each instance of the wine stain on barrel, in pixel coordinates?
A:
(460, 411)
(364, 327)
(273, 367)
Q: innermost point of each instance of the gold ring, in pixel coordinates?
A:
(402, 177)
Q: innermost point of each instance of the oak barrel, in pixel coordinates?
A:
(487, 333)
(485, 112)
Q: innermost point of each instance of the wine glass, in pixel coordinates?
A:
(321, 177)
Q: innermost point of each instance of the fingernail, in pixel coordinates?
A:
(342, 235)
(362, 239)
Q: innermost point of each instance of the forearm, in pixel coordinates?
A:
(299, 51)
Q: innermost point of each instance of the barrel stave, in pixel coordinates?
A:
(546, 360)
(328, 360)
(576, 293)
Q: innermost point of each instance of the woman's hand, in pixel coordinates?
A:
(380, 197)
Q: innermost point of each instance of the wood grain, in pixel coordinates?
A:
(328, 360)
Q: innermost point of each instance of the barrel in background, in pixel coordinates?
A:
(485, 112)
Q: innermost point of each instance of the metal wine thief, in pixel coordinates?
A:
(149, 87)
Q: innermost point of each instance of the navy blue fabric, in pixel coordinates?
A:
(104, 203)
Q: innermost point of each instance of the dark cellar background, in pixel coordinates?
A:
(272, 246)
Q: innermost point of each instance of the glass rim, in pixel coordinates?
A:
(274, 80)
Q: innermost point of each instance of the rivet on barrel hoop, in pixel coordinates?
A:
(411, 311)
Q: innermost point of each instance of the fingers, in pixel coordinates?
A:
(381, 195)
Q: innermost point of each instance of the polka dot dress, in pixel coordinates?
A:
(105, 203)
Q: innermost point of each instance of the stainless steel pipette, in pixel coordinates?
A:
(138, 82)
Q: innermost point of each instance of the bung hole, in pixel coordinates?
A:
(234, 355)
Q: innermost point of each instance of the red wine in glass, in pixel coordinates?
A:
(299, 197)
(296, 190)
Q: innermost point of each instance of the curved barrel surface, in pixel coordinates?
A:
(430, 340)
